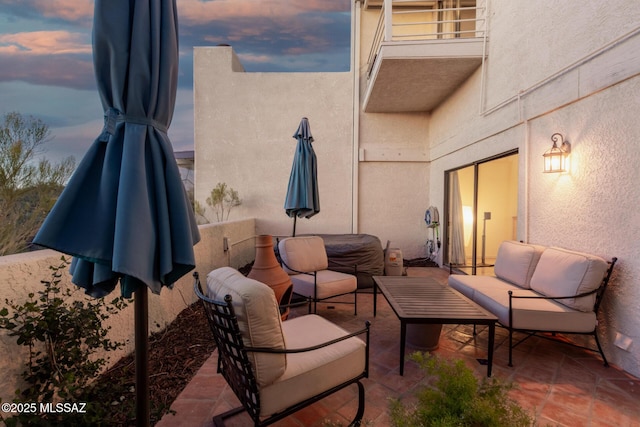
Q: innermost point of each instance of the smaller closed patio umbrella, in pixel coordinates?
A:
(302, 199)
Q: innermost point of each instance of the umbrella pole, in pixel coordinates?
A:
(141, 315)
(294, 225)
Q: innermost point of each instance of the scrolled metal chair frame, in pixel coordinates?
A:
(236, 368)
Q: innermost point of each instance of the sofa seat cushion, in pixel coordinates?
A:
(258, 316)
(517, 261)
(304, 253)
(470, 285)
(310, 373)
(536, 313)
(492, 294)
(333, 283)
(561, 272)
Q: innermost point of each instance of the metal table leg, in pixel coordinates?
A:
(403, 340)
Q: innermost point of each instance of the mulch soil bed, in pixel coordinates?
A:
(175, 355)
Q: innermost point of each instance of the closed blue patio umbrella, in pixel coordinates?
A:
(124, 215)
(302, 199)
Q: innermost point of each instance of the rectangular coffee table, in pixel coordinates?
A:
(422, 300)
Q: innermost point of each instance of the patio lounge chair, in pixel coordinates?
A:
(305, 259)
(276, 368)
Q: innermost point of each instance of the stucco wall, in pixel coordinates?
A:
(393, 166)
(22, 273)
(244, 126)
(557, 68)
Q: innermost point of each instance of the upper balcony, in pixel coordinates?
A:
(422, 52)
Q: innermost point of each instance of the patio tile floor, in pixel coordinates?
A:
(560, 385)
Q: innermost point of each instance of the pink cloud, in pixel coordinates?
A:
(57, 58)
(44, 43)
(200, 12)
(52, 70)
(69, 10)
(246, 58)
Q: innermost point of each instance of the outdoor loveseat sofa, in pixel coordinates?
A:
(541, 289)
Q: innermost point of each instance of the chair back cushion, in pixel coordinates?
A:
(304, 253)
(258, 316)
(516, 262)
(561, 272)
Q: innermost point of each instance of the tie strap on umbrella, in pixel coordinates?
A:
(114, 116)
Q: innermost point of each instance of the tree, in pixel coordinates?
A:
(28, 187)
(222, 200)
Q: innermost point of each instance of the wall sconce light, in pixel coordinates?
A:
(555, 159)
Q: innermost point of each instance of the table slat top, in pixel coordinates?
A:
(425, 298)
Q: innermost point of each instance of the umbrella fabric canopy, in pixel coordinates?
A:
(302, 200)
(125, 215)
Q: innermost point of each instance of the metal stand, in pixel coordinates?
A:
(487, 215)
(141, 319)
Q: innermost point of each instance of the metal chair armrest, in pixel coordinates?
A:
(584, 294)
(364, 330)
(310, 273)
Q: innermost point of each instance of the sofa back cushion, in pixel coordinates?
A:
(561, 272)
(258, 316)
(304, 253)
(517, 261)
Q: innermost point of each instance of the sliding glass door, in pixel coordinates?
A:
(481, 206)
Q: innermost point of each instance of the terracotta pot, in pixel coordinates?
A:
(266, 269)
(423, 337)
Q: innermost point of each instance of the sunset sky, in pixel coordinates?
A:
(46, 65)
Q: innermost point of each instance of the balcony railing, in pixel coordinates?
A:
(411, 20)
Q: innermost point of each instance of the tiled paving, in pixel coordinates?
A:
(560, 385)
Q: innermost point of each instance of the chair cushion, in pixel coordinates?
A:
(566, 273)
(330, 283)
(258, 316)
(517, 261)
(313, 372)
(304, 253)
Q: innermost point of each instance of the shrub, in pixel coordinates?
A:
(456, 398)
(63, 333)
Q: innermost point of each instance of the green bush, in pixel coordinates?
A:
(63, 333)
(455, 397)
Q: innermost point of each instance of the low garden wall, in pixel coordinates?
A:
(22, 274)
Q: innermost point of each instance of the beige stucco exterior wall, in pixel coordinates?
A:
(22, 273)
(393, 194)
(575, 70)
(393, 164)
(244, 126)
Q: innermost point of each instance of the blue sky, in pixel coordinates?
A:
(46, 65)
